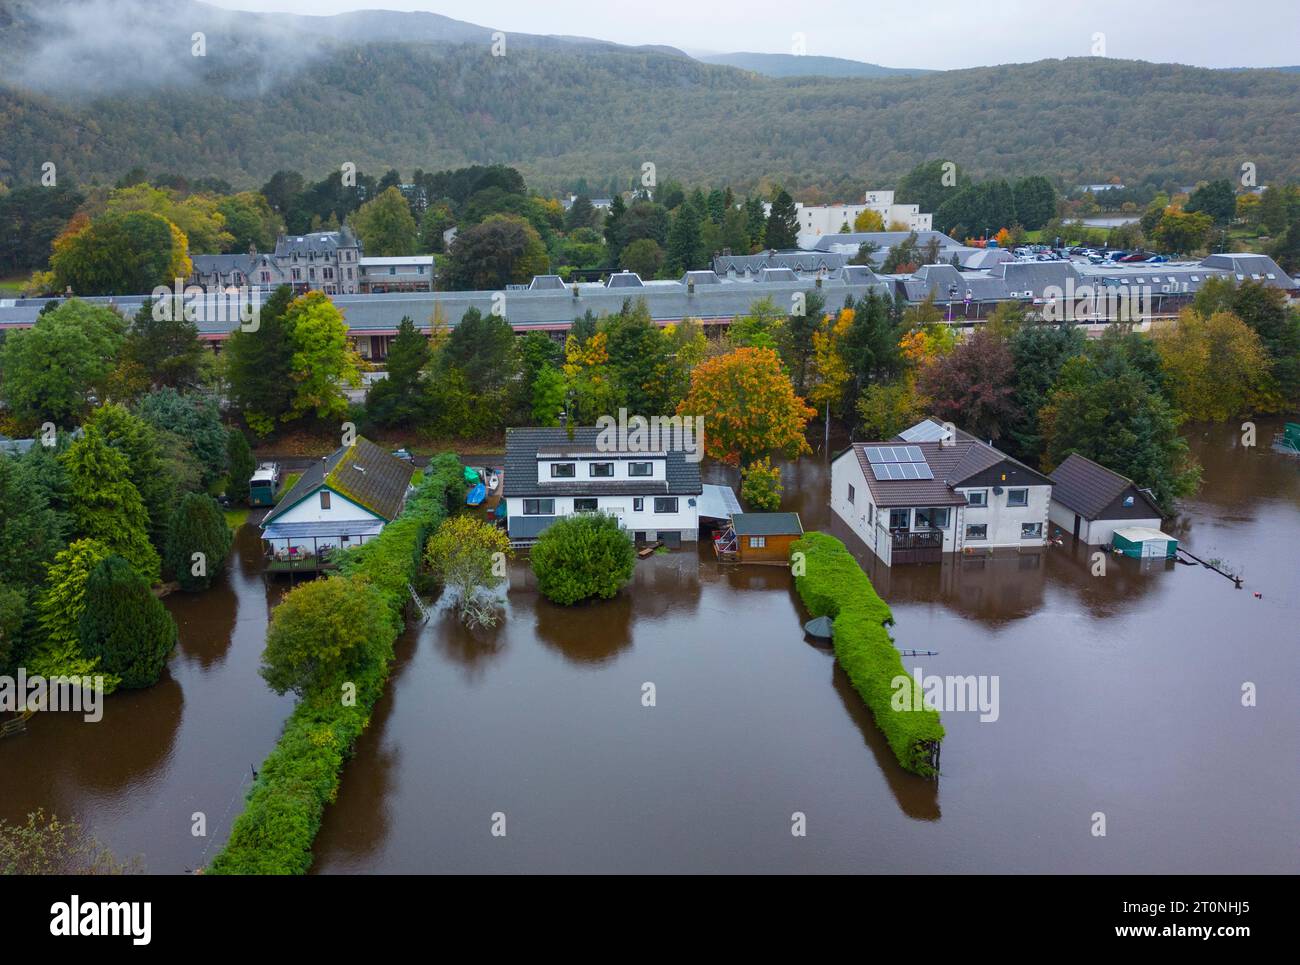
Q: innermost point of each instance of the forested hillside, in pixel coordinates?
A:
(564, 111)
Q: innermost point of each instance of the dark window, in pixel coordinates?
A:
(324, 499)
(1031, 530)
(640, 469)
(932, 518)
(898, 518)
(850, 493)
(977, 497)
(563, 470)
(638, 504)
(539, 507)
(585, 505)
(977, 531)
(1017, 497)
(601, 470)
(665, 504)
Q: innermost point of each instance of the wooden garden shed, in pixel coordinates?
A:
(759, 537)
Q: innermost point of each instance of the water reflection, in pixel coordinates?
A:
(185, 744)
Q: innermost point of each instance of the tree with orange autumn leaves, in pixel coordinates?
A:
(749, 407)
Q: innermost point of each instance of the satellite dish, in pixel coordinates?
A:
(997, 490)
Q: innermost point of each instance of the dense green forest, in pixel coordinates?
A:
(599, 112)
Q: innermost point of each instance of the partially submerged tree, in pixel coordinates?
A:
(468, 556)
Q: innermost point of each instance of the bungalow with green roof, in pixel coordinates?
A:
(341, 501)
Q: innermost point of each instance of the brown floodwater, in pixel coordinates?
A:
(159, 755)
(1118, 694)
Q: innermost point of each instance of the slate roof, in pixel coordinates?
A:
(555, 308)
(767, 524)
(319, 242)
(1250, 265)
(800, 261)
(1087, 487)
(365, 473)
(882, 239)
(523, 445)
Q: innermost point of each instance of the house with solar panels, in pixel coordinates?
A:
(344, 500)
(936, 490)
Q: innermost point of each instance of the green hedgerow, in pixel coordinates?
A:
(274, 834)
(831, 583)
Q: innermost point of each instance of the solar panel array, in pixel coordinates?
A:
(898, 462)
(926, 431)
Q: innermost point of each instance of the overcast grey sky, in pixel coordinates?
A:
(896, 33)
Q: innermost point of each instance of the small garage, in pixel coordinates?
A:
(759, 537)
(1143, 543)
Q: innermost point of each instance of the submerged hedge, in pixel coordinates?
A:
(834, 585)
(283, 811)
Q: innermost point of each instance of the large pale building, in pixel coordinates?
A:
(816, 220)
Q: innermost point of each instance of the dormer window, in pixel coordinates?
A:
(600, 470)
(564, 470)
(640, 469)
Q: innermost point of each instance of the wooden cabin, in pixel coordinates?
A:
(758, 537)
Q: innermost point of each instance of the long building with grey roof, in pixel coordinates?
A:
(715, 298)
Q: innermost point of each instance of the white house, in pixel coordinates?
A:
(655, 495)
(816, 220)
(1090, 502)
(933, 491)
(343, 500)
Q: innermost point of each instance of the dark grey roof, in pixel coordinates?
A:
(224, 264)
(1087, 487)
(546, 283)
(701, 278)
(667, 301)
(858, 275)
(1252, 266)
(1032, 277)
(806, 262)
(883, 239)
(624, 279)
(311, 479)
(767, 524)
(523, 445)
(317, 242)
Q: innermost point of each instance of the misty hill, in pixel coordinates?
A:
(103, 86)
(790, 65)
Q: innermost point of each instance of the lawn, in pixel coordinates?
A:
(236, 516)
(287, 483)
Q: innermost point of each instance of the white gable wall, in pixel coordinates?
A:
(309, 510)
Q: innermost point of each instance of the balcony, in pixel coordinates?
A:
(925, 546)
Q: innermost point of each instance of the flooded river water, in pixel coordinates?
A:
(1118, 694)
